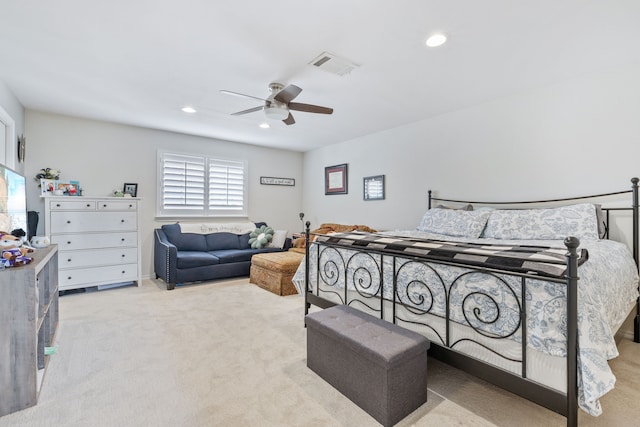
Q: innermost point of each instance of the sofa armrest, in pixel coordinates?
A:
(165, 259)
(288, 243)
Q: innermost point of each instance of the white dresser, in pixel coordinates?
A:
(97, 238)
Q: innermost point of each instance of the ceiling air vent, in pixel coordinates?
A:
(333, 64)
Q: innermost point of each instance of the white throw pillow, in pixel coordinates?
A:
(279, 238)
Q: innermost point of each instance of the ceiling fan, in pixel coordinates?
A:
(278, 104)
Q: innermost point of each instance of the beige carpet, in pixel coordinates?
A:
(228, 353)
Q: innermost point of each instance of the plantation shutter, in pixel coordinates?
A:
(200, 186)
(226, 185)
(183, 186)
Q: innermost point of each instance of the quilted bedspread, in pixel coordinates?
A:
(607, 289)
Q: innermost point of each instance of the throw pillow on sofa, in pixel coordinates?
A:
(279, 239)
(260, 237)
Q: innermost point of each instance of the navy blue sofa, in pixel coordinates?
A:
(191, 257)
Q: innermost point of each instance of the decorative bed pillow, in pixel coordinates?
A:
(544, 224)
(454, 222)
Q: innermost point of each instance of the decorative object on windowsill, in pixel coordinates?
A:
(47, 173)
(260, 237)
(130, 189)
(302, 220)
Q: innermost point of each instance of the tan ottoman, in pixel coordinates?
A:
(274, 271)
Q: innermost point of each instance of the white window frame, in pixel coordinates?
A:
(201, 178)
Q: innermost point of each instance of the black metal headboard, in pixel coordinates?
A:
(634, 208)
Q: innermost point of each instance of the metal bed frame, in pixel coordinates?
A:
(564, 404)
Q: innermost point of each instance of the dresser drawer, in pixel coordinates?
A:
(72, 205)
(96, 257)
(85, 277)
(68, 242)
(76, 222)
(124, 205)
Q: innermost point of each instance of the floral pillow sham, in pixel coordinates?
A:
(546, 224)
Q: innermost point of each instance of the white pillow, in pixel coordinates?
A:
(278, 240)
(454, 222)
(544, 224)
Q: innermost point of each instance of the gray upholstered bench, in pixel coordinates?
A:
(379, 366)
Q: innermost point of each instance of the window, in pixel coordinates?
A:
(201, 186)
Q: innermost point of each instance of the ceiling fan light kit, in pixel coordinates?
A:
(278, 105)
(276, 112)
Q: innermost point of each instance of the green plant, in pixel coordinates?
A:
(47, 173)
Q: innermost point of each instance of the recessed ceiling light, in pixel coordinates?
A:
(436, 40)
(264, 125)
(189, 110)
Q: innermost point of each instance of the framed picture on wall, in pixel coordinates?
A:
(373, 187)
(336, 179)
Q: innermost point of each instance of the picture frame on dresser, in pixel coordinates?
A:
(130, 188)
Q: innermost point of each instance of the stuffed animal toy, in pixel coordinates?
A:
(12, 253)
(260, 237)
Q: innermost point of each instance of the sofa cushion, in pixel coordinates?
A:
(190, 259)
(240, 255)
(233, 255)
(184, 241)
(223, 240)
(244, 241)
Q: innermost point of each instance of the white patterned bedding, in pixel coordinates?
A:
(607, 290)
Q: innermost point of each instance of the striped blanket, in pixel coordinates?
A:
(537, 260)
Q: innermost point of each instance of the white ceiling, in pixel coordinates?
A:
(138, 62)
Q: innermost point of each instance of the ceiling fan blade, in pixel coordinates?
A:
(287, 94)
(309, 108)
(242, 95)
(289, 120)
(250, 110)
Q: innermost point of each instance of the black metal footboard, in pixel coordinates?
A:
(418, 298)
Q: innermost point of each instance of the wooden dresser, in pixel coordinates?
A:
(98, 240)
(28, 323)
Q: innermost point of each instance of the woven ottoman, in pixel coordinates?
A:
(274, 271)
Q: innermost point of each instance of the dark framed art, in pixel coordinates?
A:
(373, 187)
(130, 189)
(336, 179)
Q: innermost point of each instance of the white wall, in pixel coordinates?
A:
(575, 138)
(102, 156)
(12, 106)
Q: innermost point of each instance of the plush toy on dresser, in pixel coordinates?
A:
(13, 254)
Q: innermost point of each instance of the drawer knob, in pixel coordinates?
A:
(57, 205)
(68, 222)
(69, 278)
(122, 220)
(69, 260)
(68, 243)
(130, 206)
(88, 205)
(123, 255)
(123, 271)
(122, 239)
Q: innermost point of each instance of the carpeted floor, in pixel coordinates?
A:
(228, 353)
